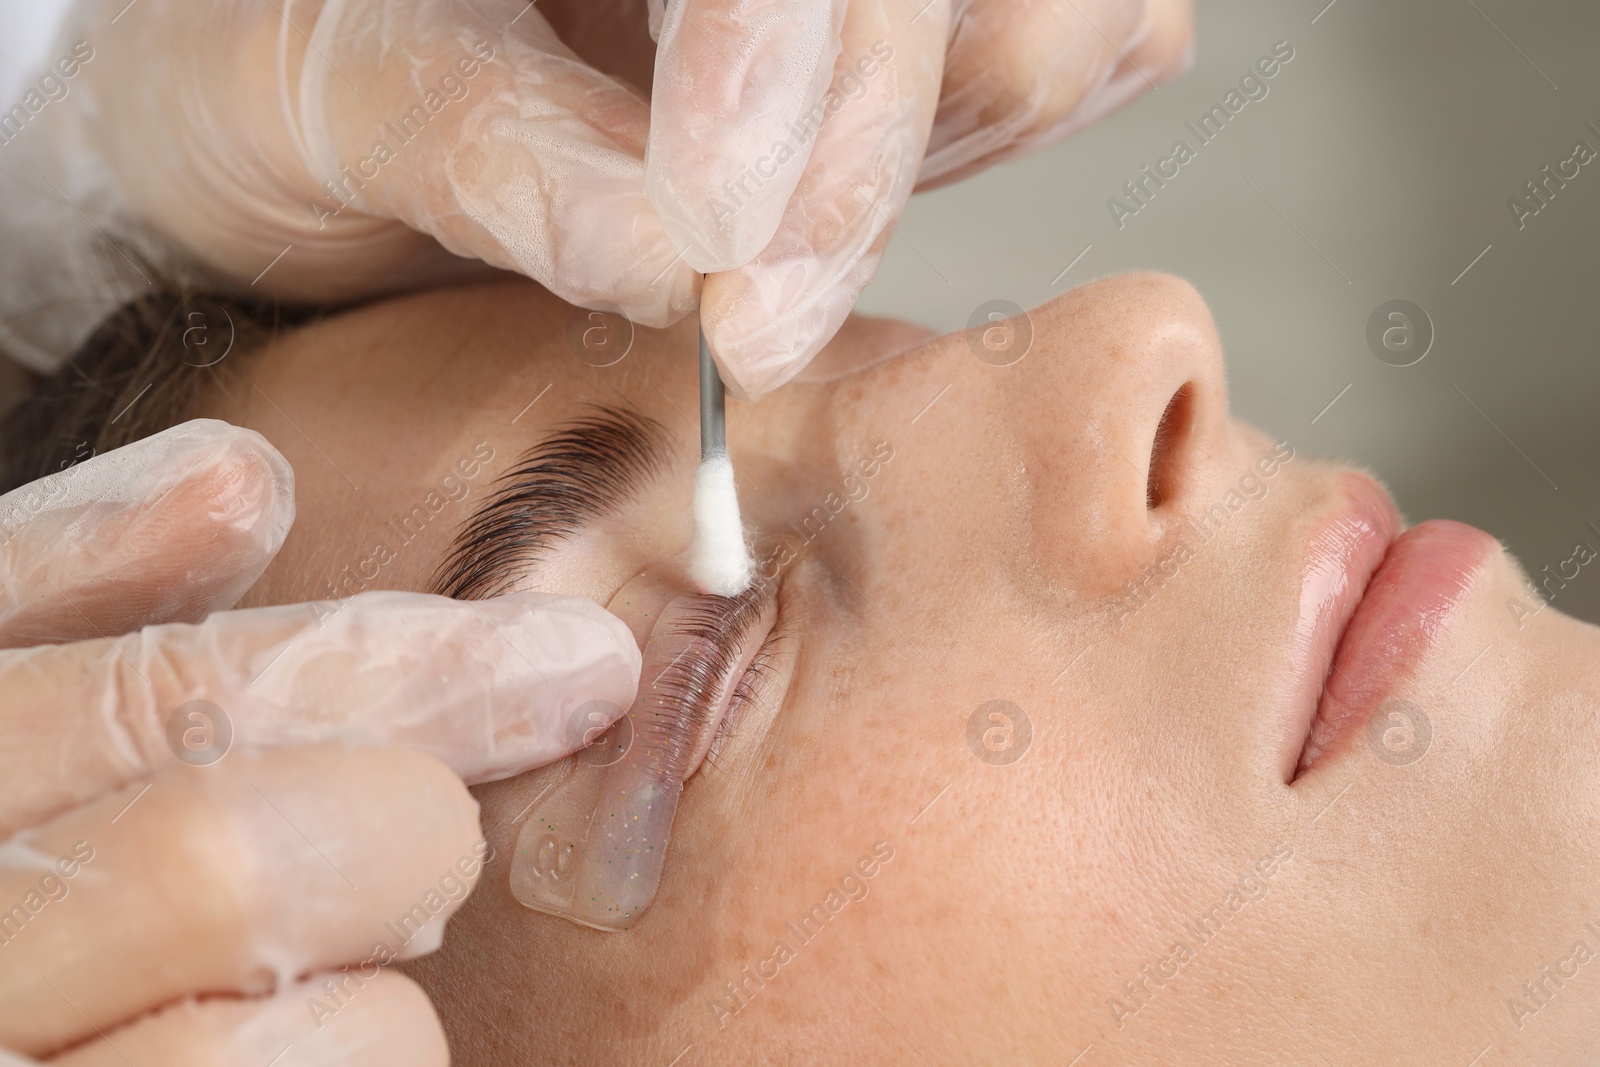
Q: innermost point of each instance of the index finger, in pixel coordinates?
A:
(490, 688)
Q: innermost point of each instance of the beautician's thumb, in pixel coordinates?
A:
(766, 319)
(490, 688)
(167, 529)
(737, 89)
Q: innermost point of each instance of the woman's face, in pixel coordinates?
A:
(1088, 724)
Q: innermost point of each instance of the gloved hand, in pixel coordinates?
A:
(324, 150)
(212, 804)
(846, 88)
(312, 149)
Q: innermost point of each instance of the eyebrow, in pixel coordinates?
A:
(588, 468)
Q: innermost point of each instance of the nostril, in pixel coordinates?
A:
(1162, 483)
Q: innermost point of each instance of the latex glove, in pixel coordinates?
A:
(236, 878)
(787, 135)
(159, 537)
(1022, 76)
(242, 811)
(324, 150)
(268, 148)
(167, 529)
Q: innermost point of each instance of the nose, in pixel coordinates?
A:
(1094, 445)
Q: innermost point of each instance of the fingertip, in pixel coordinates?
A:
(356, 1017)
(566, 665)
(1165, 48)
(583, 630)
(245, 486)
(169, 528)
(763, 328)
(716, 226)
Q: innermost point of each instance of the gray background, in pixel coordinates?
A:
(1392, 142)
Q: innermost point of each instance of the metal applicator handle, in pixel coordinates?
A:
(713, 405)
(713, 395)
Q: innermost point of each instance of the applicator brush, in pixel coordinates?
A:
(719, 559)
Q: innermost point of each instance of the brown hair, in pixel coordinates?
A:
(144, 369)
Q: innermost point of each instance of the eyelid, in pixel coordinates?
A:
(752, 688)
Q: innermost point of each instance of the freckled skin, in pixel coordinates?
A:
(1030, 908)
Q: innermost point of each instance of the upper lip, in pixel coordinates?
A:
(1374, 601)
(1342, 554)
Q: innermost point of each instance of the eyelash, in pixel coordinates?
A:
(717, 629)
(748, 690)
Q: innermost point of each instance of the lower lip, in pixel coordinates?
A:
(1403, 615)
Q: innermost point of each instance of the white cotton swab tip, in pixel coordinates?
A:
(719, 558)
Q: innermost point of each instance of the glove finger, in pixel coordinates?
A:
(167, 529)
(233, 878)
(384, 1020)
(1067, 66)
(490, 688)
(487, 133)
(767, 319)
(863, 341)
(738, 97)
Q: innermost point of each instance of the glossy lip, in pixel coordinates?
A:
(1342, 554)
(1373, 603)
(1404, 614)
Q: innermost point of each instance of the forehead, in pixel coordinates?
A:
(397, 417)
(484, 352)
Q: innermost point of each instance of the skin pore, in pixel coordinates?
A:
(1151, 878)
